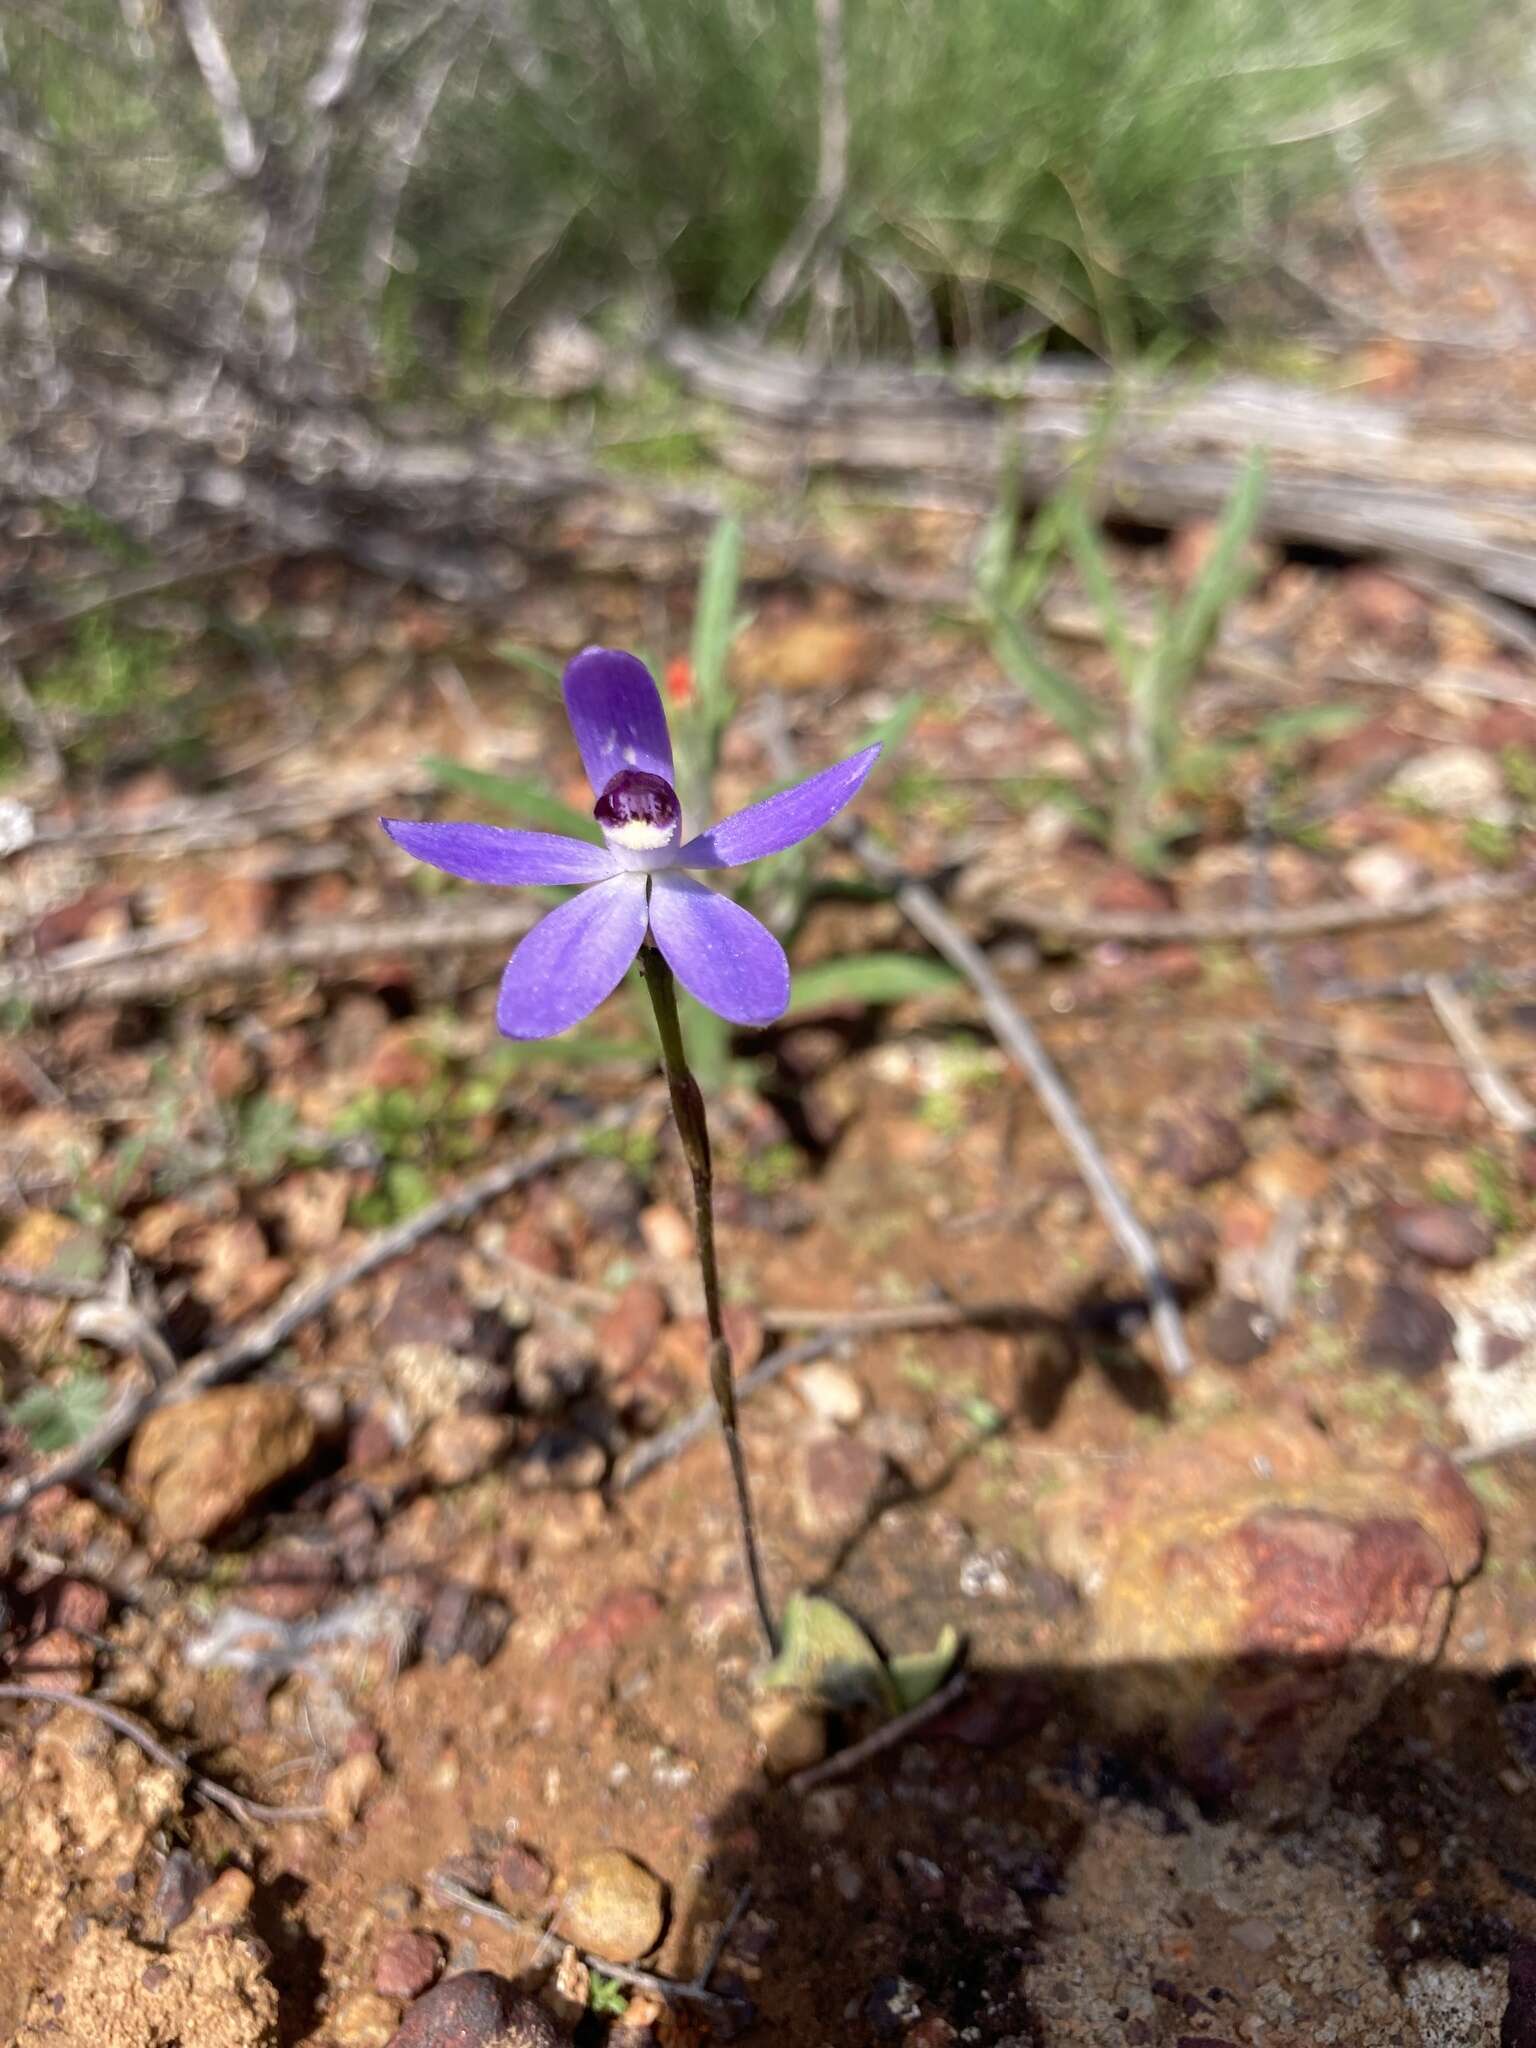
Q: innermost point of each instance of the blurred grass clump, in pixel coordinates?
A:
(1109, 169)
(1111, 166)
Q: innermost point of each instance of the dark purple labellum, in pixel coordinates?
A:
(639, 809)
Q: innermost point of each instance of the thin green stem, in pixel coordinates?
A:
(693, 1130)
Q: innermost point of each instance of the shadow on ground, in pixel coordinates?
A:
(1281, 1853)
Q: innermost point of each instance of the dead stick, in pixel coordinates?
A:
(884, 1737)
(660, 1449)
(622, 1973)
(1017, 1037)
(248, 1811)
(298, 1305)
(1497, 1093)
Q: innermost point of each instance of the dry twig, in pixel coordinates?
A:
(1017, 1037)
(300, 1304)
(1497, 1093)
(694, 1991)
(886, 1736)
(248, 1811)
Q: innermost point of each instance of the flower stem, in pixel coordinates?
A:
(693, 1130)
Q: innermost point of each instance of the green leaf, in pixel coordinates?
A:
(531, 659)
(715, 624)
(1088, 552)
(868, 979)
(826, 1656)
(1053, 692)
(54, 1417)
(1222, 580)
(606, 1994)
(919, 1674)
(524, 800)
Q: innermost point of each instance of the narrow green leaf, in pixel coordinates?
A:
(529, 658)
(523, 800)
(715, 622)
(1087, 550)
(1215, 590)
(868, 979)
(1053, 692)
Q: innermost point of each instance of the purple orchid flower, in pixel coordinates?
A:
(640, 880)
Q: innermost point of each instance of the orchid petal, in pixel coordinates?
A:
(492, 853)
(781, 820)
(564, 967)
(718, 951)
(615, 712)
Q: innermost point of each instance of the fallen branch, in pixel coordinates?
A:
(317, 949)
(301, 1303)
(1309, 920)
(1360, 474)
(248, 1811)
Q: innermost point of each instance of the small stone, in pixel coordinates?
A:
(1408, 1331)
(792, 1733)
(477, 2009)
(429, 1380)
(554, 1366)
(350, 1785)
(990, 1907)
(1382, 875)
(464, 1623)
(428, 1304)
(614, 1907)
(408, 1962)
(627, 1334)
(457, 1449)
(181, 1882)
(667, 1233)
(1380, 604)
(225, 1905)
(521, 1875)
(1443, 1234)
(1199, 1146)
(838, 1482)
(290, 1579)
(933, 2032)
(200, 1464)
(892, 2006)
(1289, 1173)
(60, 1661)
(831, 1393)
(365, 2020)
(1455, 782)
(1237, 1331)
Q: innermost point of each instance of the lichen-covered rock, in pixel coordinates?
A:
(200, 1464)
(1259, 1596)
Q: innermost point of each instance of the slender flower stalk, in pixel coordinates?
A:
(639, 895)
(693, 1129)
